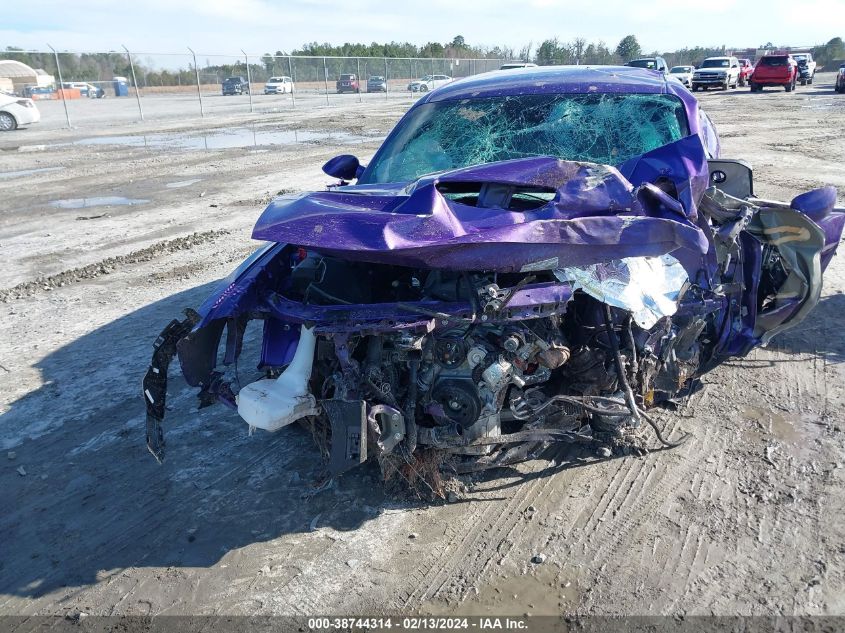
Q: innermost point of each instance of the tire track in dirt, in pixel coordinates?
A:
(481, 537)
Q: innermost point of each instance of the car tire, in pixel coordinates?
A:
(755, 87)
(423, 88)
(7, 122)
(803, 82)
(788, 87)
(741, 82)
(810, 80)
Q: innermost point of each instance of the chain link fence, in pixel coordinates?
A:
(90, 88)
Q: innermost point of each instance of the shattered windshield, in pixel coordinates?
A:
(642, 63)
(599, 128)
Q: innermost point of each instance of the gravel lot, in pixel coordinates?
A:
(745, 518)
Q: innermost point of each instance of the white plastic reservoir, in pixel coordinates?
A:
(269, 403)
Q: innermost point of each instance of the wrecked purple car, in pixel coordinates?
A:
(531, 257)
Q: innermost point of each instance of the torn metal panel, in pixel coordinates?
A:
(647, 287)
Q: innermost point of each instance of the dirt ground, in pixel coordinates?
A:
(745, 518)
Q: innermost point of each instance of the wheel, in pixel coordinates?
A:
(810, 80)
(423, 88)
(788, 87)
(803, 82)
(756, 87)
(741, 81)
(7, 122)
(727, 84)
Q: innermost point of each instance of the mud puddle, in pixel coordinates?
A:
(183, 183)
(236, 137)
(27, 172)
(100, 201)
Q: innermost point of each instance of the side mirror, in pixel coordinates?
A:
(346, 167)
(733, 177)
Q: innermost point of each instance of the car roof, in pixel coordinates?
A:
(554, 80)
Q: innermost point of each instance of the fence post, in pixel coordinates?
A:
(386, 80)
(358, 75)
(293, 81)
(61, 81)
(326, 77)
(248, 80)
(135, 82)
(197, 71)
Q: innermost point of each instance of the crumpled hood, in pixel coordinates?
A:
(597, 214)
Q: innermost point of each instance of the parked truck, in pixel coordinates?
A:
(806, 67)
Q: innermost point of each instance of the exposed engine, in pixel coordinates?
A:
(474, 385)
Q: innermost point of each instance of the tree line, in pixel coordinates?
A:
(456, 58)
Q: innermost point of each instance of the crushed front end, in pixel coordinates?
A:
(488, 312)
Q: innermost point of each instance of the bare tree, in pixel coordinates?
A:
(578, 45)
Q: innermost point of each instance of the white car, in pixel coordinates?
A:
(15, 112)
(429, 82)
(278, 85)
(682, 74)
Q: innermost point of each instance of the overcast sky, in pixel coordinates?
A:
(258, 26)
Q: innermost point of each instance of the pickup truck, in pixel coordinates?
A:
(806, 67)
(775, 70)
(716, 72)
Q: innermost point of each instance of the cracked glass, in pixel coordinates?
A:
(599, 128)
